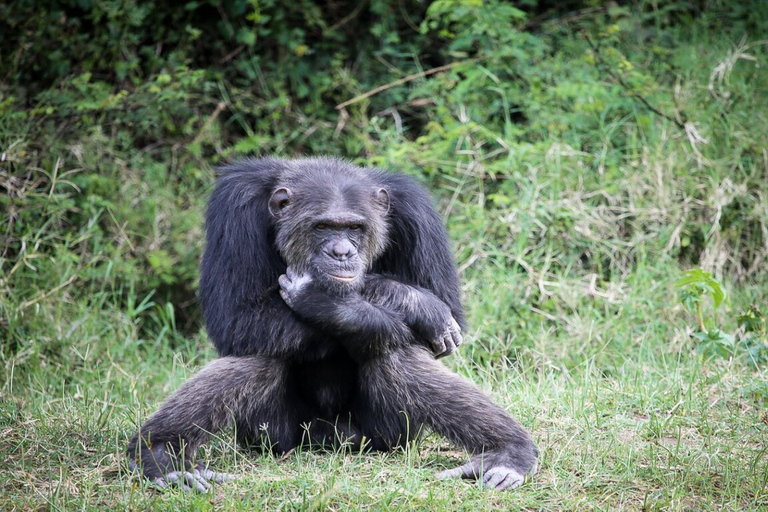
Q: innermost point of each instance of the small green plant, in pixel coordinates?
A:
(754, 339)
(697, 284)
(749, 341)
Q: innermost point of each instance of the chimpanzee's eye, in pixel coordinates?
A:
(356, 227)
(321, 227)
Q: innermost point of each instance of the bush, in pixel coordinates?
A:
(560, 142)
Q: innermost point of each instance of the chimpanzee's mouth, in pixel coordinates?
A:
(345, 278)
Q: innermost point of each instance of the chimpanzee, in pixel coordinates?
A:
(329, 291)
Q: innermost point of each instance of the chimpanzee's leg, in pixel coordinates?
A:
(407, 388)
(252, 391)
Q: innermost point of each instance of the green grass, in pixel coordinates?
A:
(626, 414)
(573, 208)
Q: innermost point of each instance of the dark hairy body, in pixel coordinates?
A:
(329, 291)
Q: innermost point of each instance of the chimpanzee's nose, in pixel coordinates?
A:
(342, 250)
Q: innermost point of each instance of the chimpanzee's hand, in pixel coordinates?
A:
(434, 321)
(311, 300)
(445, 340)
(293, 286)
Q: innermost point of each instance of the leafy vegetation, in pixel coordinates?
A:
(602, 169)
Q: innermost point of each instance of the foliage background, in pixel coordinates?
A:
(583, 153)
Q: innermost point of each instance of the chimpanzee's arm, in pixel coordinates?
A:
(385, 315)
(238, 292)
(267, 326)
(429, 318)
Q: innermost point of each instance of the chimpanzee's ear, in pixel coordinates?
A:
(381, 199)
(279, 200)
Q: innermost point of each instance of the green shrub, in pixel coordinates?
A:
(562, 144)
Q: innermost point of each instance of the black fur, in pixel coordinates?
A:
(354, 361)
(238, 276)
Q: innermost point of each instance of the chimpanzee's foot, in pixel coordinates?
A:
(498, 469)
